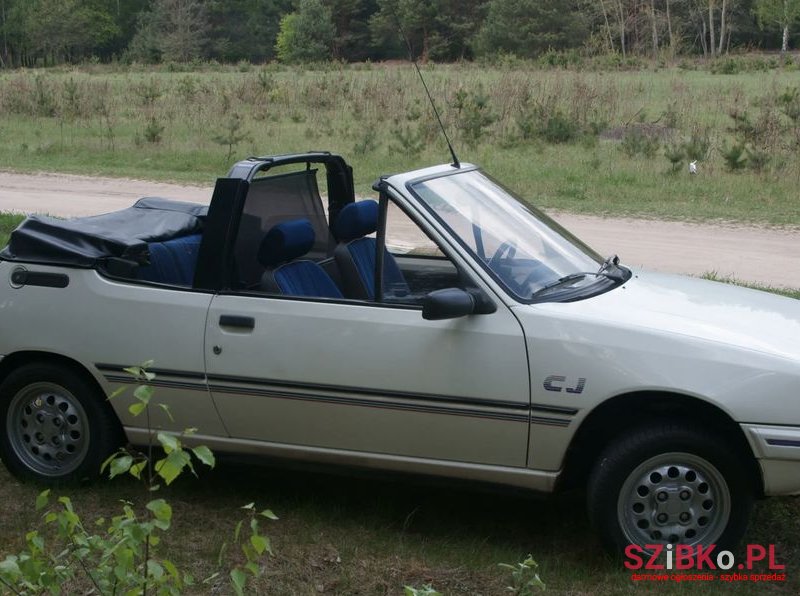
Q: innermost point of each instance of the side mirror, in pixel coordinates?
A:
(450, 303)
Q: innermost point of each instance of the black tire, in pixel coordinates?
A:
(670, 461)
(57, 427)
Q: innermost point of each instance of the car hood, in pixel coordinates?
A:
(698, 308)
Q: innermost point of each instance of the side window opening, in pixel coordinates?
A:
(424, 266)
(272, 200)
(285, 246)
(413, 264)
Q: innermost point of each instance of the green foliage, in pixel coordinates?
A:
(44, 99)
(789, 101)
(526, 28)
(698, 145)
(676, 155)
(742, 127)
(557, 34)
(8, 222)
(783, 13)
(543, 121)
(153, 131)
(114, 556)
(171, 30)
(367, 138)
(474, 115)
(557, 127)
(231, 134)
(73, 100)
(734, 156)
(58, 30)
(560, 58)
(148, 92)
(252, 544)
(544, 116)
(639, 141)
(408, 139)
(755, 140)
(734, 65)
(758, 160)
(306, 35)
(525, 580)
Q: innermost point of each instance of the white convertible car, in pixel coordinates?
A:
(447, 328)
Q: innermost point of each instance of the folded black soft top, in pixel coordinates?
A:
(85, 241)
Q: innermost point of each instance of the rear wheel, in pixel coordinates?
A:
(57, 426)
(670, 484)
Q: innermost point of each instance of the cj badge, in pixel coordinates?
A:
(559, 383)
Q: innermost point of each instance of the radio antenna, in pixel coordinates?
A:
(456, 162)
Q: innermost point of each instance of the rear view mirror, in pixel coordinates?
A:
(450, 303)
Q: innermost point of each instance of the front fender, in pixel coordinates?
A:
(599, 360)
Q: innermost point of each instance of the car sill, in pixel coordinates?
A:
(534, 480)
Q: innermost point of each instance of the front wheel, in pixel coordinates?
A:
(56, 425)
(669, 484)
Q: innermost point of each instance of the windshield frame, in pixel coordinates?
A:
(600, 283)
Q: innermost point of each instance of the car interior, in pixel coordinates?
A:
(289, 244)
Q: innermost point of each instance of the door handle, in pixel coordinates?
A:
(237, 321)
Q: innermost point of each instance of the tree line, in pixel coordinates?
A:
(47, 32)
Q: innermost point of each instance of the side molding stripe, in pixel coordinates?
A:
(438, 404)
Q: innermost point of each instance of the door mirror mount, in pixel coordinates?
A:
(449, 303)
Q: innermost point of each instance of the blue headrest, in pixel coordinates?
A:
(286, 241)
(356, 220)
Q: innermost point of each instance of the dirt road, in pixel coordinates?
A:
(756, 254)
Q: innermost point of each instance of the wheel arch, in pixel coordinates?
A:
(15, 360)
(611, 418)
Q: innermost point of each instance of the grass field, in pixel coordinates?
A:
(8, 221)
(555, 136)
(360, 536)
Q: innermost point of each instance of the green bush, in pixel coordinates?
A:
(153, 131)
(558, 128)
(698, 145)
(474, 114)
(525, 578)
(638, 141)
(675, 154)
(560, 59)
(307, 34)
(758, 160)
(734, 156)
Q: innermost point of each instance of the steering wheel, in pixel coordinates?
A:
(500, 264)
(505, 251)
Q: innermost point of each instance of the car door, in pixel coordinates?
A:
(367, 377)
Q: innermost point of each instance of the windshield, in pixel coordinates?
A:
(523, 248)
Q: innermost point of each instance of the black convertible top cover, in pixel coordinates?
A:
(86, 241)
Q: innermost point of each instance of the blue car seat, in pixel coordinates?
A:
(172, 262)
(283, 244)
(356, 252)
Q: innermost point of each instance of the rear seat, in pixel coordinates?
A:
(172, 262)
(286, 272)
